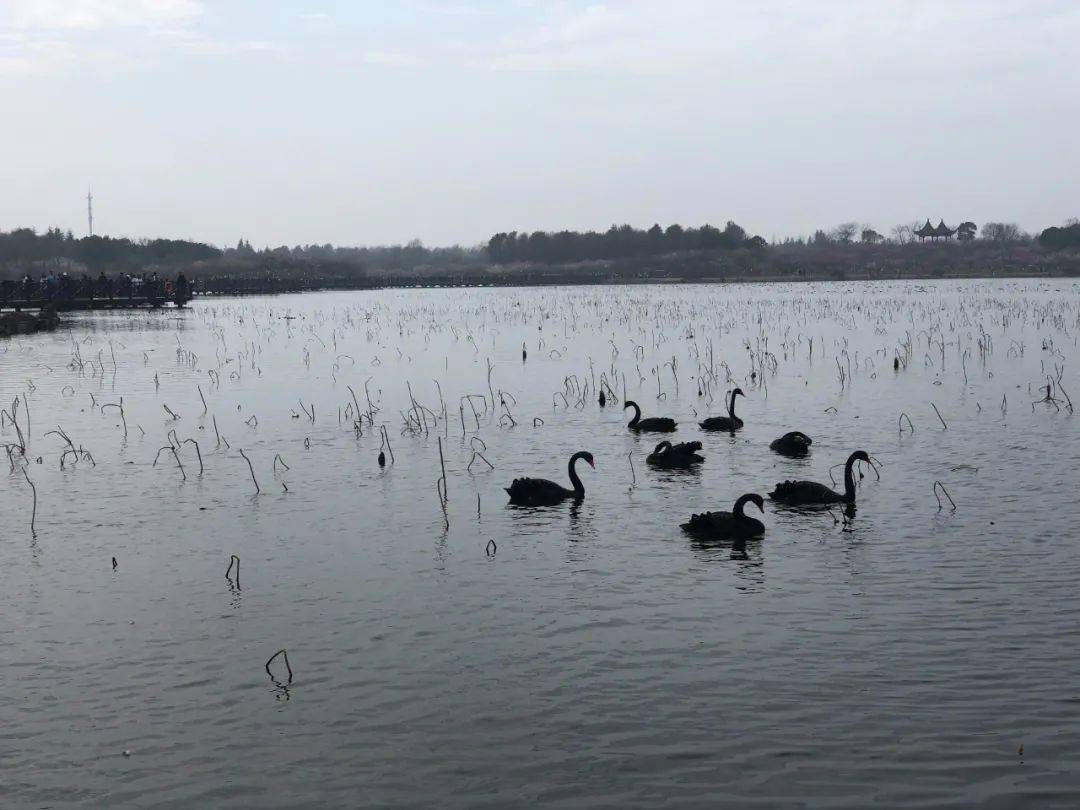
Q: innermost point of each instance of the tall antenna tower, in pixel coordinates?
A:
(90, 210)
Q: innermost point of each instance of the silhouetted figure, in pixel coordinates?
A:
(811, 493)
(794, 444)
(729, 422)
(541, 492)
(675, 456)
(733, 525)
(654, 424)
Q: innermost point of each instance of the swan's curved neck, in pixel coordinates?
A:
(739, 504)
(579, 488)
(849, 481)
(731, 406)
(637, 413)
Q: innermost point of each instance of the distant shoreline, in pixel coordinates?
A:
(248, 272)
(245, 289)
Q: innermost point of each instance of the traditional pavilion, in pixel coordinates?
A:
(940, 231)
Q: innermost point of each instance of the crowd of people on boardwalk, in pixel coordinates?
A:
(54, 287)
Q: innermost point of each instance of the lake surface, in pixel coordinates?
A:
(596, 657)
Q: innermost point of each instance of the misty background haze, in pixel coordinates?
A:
(369, 123)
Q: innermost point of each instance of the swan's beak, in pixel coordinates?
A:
(591, 464)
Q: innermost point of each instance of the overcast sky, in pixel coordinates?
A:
(367, 122)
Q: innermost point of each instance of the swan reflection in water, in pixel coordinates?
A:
(745, 556)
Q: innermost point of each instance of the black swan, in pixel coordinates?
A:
(811, 493)
(794, 444)
(541, 492)
(733, 525)
(654, 424)
(682, 455)
(729, 422)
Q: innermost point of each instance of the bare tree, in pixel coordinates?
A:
(1003, 232)
(844, 233)
(903, 233)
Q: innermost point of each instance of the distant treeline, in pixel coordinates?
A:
(623, 242)
(619, 253)
(1061, 238)
(388, 258)
(23, 245)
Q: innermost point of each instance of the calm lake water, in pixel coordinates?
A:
(912, 656)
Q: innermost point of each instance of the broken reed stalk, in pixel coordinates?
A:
(33, 489)
(633, 475)
(938, 485)
(491, 548)
(442, 465)
(309, 414)
(176, 456)
(252, 470)
(900, 424)
(440, 485)
(386, 438)
(279, 460)
(932, 405)
(119, 407)
(269, 661)
(478, 455)
(356, 404)
(204, 408)
(218, 436)
(1068, 401)
(233, 560)
(198, 453)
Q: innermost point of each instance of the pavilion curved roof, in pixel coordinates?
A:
(926, 230)
(942, 229)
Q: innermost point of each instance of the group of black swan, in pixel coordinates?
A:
(735, 525)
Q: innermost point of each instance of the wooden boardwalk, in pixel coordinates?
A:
(12, 297)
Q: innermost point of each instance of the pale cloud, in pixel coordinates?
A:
(391, 59)
(193, 43)
(23, 56)
(100, 14)
(53, 36)
(826, 37)
(450, 9)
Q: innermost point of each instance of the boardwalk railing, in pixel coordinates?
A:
(66, 294)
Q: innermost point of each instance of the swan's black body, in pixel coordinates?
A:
(811, 493)
(672, 456)
(541, 492)
(654, 424)
(729, 422)
(733, 525)
(794, 444)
